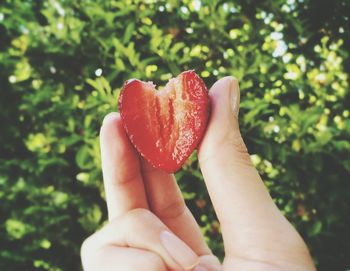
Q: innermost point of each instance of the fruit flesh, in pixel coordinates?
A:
(165, 126)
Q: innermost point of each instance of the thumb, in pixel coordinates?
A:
(247, 214)
(223, 129)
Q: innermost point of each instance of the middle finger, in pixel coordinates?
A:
(166, 202)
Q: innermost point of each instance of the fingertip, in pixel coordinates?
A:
(112, 130)
(111, 121)
(110, 117)
(222, 84)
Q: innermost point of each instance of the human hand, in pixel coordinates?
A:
(151, 229)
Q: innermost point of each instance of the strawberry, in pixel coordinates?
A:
(165, 126)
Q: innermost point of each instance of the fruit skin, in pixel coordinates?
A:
(165, 126)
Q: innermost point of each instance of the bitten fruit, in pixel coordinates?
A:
(165, 126)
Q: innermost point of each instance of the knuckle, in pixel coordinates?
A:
(154, 261)
(239, 145)
(173, 209)
(140, 213)
(85, 248)
(241, 149)
(89, 247)
(138, 218)
(229, 143)
(140, 227)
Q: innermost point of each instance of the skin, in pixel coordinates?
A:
(143, 202)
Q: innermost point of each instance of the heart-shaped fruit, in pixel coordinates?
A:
(165, 126)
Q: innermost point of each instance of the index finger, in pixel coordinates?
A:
(121, 169)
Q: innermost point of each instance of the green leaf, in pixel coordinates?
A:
(83, 158)
(129, 32)
(316, 228)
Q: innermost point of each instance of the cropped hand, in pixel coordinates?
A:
(151, 229)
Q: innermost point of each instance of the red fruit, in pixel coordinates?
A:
(165, 126)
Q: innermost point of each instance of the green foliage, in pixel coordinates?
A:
(62, 64)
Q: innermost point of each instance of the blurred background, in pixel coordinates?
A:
(62, 64)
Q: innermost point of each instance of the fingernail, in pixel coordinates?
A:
(200, 268)
(180, 252)
(234, 95)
